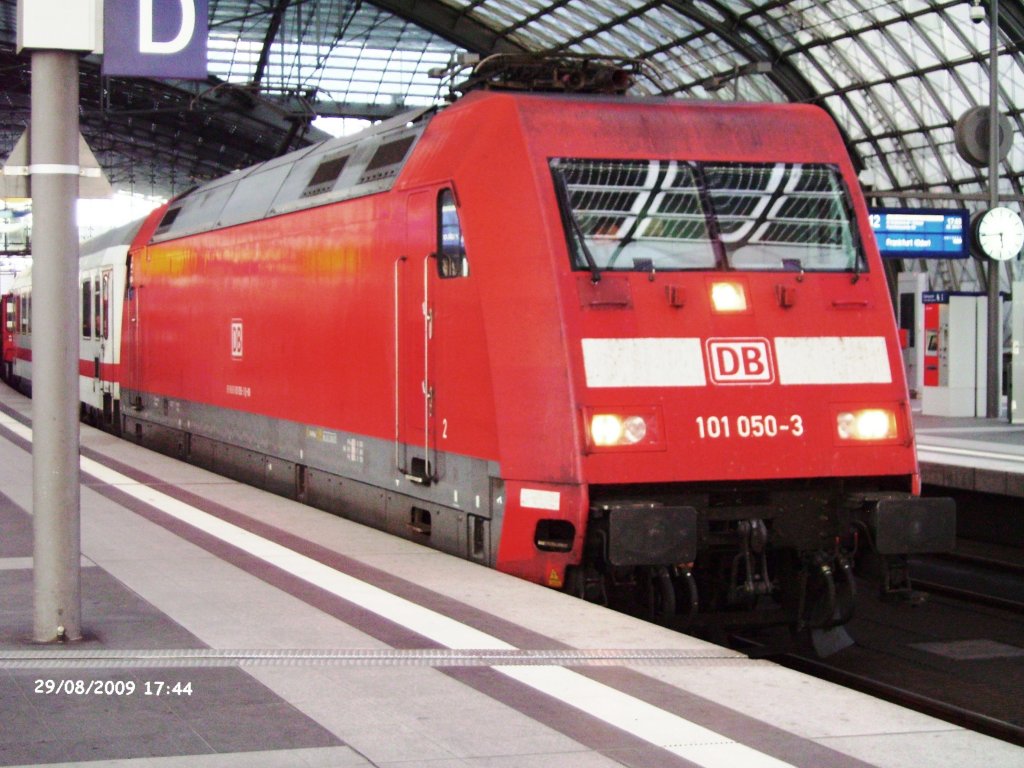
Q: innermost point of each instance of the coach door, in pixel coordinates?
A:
(101, 327)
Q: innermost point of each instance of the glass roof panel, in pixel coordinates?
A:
(919, 54)
(869, 50)
(949, 42)
(956, 96)
(589, 14)
(821, 78)
(663, 26)
(847, 112)
(335, 50)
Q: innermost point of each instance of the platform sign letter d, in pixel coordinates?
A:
(147, 31)
(155, 38)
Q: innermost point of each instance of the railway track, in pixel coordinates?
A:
(823, 669)
(918, 702)
(975, 577)
(979, 596)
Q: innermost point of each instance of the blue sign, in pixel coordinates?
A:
(155, 38)
(920, 233)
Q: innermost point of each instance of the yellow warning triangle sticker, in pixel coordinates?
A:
(554, 580)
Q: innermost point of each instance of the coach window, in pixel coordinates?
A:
(97, 309)
(105, 308)
(87, 309)
(451, 248)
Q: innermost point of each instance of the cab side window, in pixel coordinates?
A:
(451, 247)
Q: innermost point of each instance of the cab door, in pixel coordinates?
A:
(434, 254)
(415, 378)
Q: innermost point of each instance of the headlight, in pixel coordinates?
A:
(728, 297)
(624, 428)
(634, 429)
(867, 424)
(606, 429)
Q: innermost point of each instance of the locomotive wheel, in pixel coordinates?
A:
(687, 597)
(575, 583)
(584, 582)
(819, 604)
(659, 594)
(846, 589)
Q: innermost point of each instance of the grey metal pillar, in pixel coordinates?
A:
(995, 329)
(55, 489)
(1017, 355)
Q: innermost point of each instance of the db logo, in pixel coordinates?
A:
(740, 361)
(236, 339)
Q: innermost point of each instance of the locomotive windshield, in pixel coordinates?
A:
(644, 215)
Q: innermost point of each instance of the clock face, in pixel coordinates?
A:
(999, 233)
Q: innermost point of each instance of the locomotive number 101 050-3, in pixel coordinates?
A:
(753, 425)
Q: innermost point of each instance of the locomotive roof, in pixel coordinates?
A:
(339, 169)
(352, 166)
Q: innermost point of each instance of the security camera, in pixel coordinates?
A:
(977, 13)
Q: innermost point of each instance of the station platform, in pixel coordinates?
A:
(228, 627)
(984, 455)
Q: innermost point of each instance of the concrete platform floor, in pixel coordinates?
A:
(275, 634)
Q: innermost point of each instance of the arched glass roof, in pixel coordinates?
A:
(894, 76)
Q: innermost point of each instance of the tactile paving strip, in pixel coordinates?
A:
(429, 657)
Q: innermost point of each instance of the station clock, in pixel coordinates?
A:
(997, 234)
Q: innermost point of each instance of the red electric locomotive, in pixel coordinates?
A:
(598, 342)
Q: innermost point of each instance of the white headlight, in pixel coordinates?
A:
(628, 428)
(866, 424)
(728, 297)
(634, 429)
(606, 429)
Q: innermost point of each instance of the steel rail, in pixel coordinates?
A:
(975, 721)
(950, 713)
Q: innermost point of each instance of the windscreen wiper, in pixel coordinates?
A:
(710, 216)
(569, 220)
(852, 223)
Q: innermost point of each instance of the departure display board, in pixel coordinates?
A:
(921, 233)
